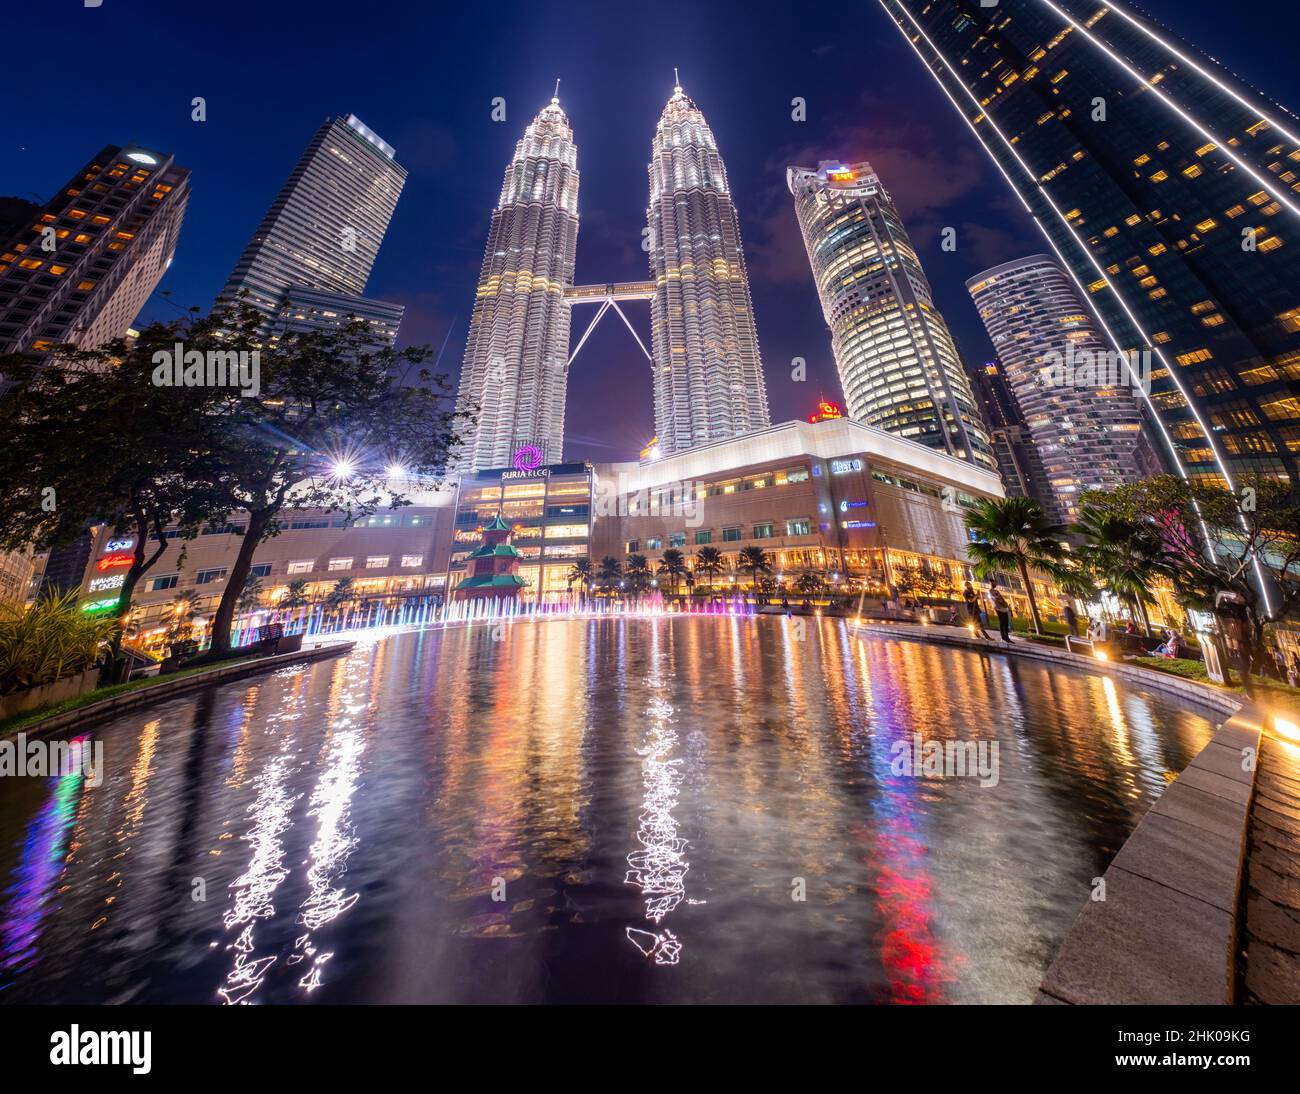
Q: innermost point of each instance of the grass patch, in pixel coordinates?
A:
(1176, 666)
(21, 721)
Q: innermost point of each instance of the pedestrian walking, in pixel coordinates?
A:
(1003, 610)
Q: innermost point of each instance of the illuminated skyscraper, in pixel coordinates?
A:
(1167, 189)
(898, 364)
(515, 370)
(1086, 433)
(708, 382)
(82, 267)
(324, 228)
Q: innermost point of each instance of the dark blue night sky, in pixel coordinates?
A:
(423, 77)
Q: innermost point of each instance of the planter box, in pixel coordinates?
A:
(20, 702)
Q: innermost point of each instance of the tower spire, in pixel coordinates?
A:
(556, 97)
(677, 83)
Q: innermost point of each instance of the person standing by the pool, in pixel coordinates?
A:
(1071, 618)
(971, 597)
(1003, 610)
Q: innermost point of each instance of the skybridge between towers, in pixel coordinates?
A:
(608, 296)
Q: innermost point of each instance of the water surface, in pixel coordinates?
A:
(606, 811)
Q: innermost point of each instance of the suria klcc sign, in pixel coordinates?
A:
(528, 462)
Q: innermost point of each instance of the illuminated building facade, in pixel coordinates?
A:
(550, 510)
(708, 376)
(81, 269)
(325, 227)
(304, 310)
(391, 555)
(898, 364)
(1085, 433)
(1167, 189)
(515, 372)
(1018, 460)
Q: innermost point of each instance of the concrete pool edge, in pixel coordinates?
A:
(1168, 928)
(171, 689)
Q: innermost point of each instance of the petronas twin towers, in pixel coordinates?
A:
(708, 376)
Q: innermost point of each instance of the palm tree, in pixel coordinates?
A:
(611, 572)
(581, 571)
(1014, 534)
(185, 609)
(638, 572)
(673, 566)
(296, 595)
(1125, 555)
(754, 559)
(343, 593)
(250, 595)
(708, 561)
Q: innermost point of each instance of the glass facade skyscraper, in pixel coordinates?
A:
(1086, 435)
(1167, 189)
(326, 225)
(81, 268)
(708, 375)
(515, 373)
(898, 364)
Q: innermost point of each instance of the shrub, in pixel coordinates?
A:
(47, 642)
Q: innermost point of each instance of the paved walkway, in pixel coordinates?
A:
(1269, 945)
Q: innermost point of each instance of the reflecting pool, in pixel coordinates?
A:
(658, 810)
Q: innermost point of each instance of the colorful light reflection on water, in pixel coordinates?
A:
(589, 809)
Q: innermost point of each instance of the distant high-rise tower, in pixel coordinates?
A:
(84, 266)
(516, 355)
(1166, 187)
(323, 230)
(1086, 434)
(708, 382)
(1018, 460)
(897, 361)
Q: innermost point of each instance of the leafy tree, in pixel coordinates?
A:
(708, 561)
(1015, 534)
(1217, 540)
(330, 416)
(673, 566)
(809, 582)
(91, 439)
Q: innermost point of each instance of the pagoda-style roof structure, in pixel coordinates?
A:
(493, 565)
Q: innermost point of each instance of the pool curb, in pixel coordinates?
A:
(171, 689)
(1163, 924)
